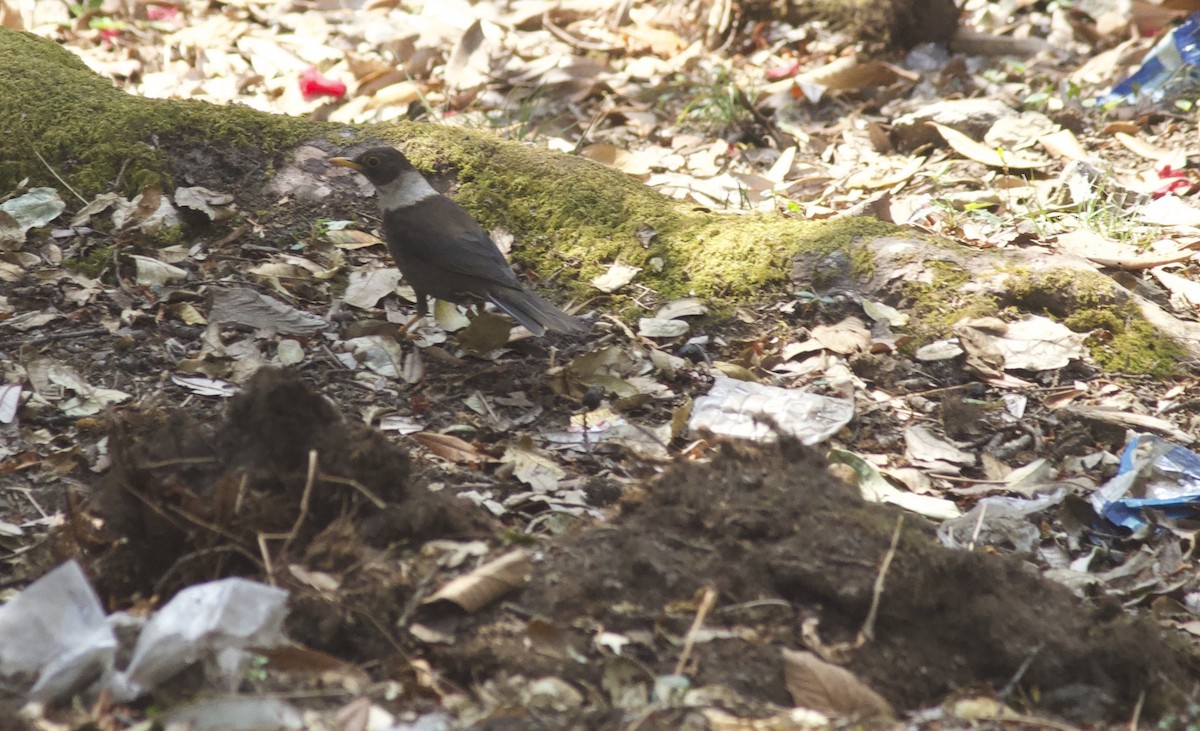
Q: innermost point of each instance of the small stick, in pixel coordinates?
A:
(266, 557)
(706, 604)
(67, 334)
(375, 499)
(1137, 711)
(57, 177)
(978, 528)
(868, 630)
(309, 481)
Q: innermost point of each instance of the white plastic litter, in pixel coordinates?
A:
(55, 631)
(760, 413)
(212, 622)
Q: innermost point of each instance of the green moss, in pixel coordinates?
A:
(571, 213)
(93, 263)
(169, 236)
(1123, 341)
(1061, 292)
(99, 138)
(937, 305)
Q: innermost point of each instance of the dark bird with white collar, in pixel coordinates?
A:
(441, 250)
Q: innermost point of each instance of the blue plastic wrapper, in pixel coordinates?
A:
(1154, 473)
(1172, 66)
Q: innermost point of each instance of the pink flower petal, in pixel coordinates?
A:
(313, 85)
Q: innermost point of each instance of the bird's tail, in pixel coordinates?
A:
(535, 313)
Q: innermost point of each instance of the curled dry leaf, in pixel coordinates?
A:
(821, 686)
(1181, 286)
(350, 239)
(637, 165)
(617, 276)
(151, 271)
(149, 212)
(1142, 148)
(686, 307)
(490, 581)
(10, 401)
(487, 332)
(217, 206)
(380, 353)
(848, 73)
(924, 449)
(451, 447)
(980, 152)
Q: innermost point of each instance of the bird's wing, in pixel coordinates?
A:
(444, 237)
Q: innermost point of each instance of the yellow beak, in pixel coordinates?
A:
(345, 162)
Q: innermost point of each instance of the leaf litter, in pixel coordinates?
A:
(469, 65)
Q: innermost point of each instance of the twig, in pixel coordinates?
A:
(267, 557)
(309, 481)
(868, 630)
(1016, 678)
(57, 177)
(706, 602)
(228, 548)
(366, 492)
(1137, 711)
(67, 334)
(28, 493)
(978, 528)
(121, 174)
(159, 464)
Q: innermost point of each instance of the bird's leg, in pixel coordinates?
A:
(403, 331)
(422, 311)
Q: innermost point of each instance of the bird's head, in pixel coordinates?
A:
(380, 165)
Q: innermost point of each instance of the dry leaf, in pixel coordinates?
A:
(637, 165)
(533, 468)
(1142, 148)
(1065, 144)
(151, 271)
(657, 327)
(451, 448)
(821, 686)
(847, 74)
(1185, 288)
(885, 171)
(617, 276)
(846, 337)
(686, 307)
(980, 152)
(348, 239)
(485, 584)
(469, 65)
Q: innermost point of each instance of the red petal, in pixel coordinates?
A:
(313, 85)
(161, 12)
(775, 73)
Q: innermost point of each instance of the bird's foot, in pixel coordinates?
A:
(404, 332)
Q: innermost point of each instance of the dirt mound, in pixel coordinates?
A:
(782, 543)
(281, 481)
(284, 489)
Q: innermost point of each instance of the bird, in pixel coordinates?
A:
(442, 251)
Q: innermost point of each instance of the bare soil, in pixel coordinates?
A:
(782, 542)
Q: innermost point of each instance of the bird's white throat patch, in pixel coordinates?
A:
(409, 188)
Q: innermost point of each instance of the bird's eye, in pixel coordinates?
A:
(372, 162)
